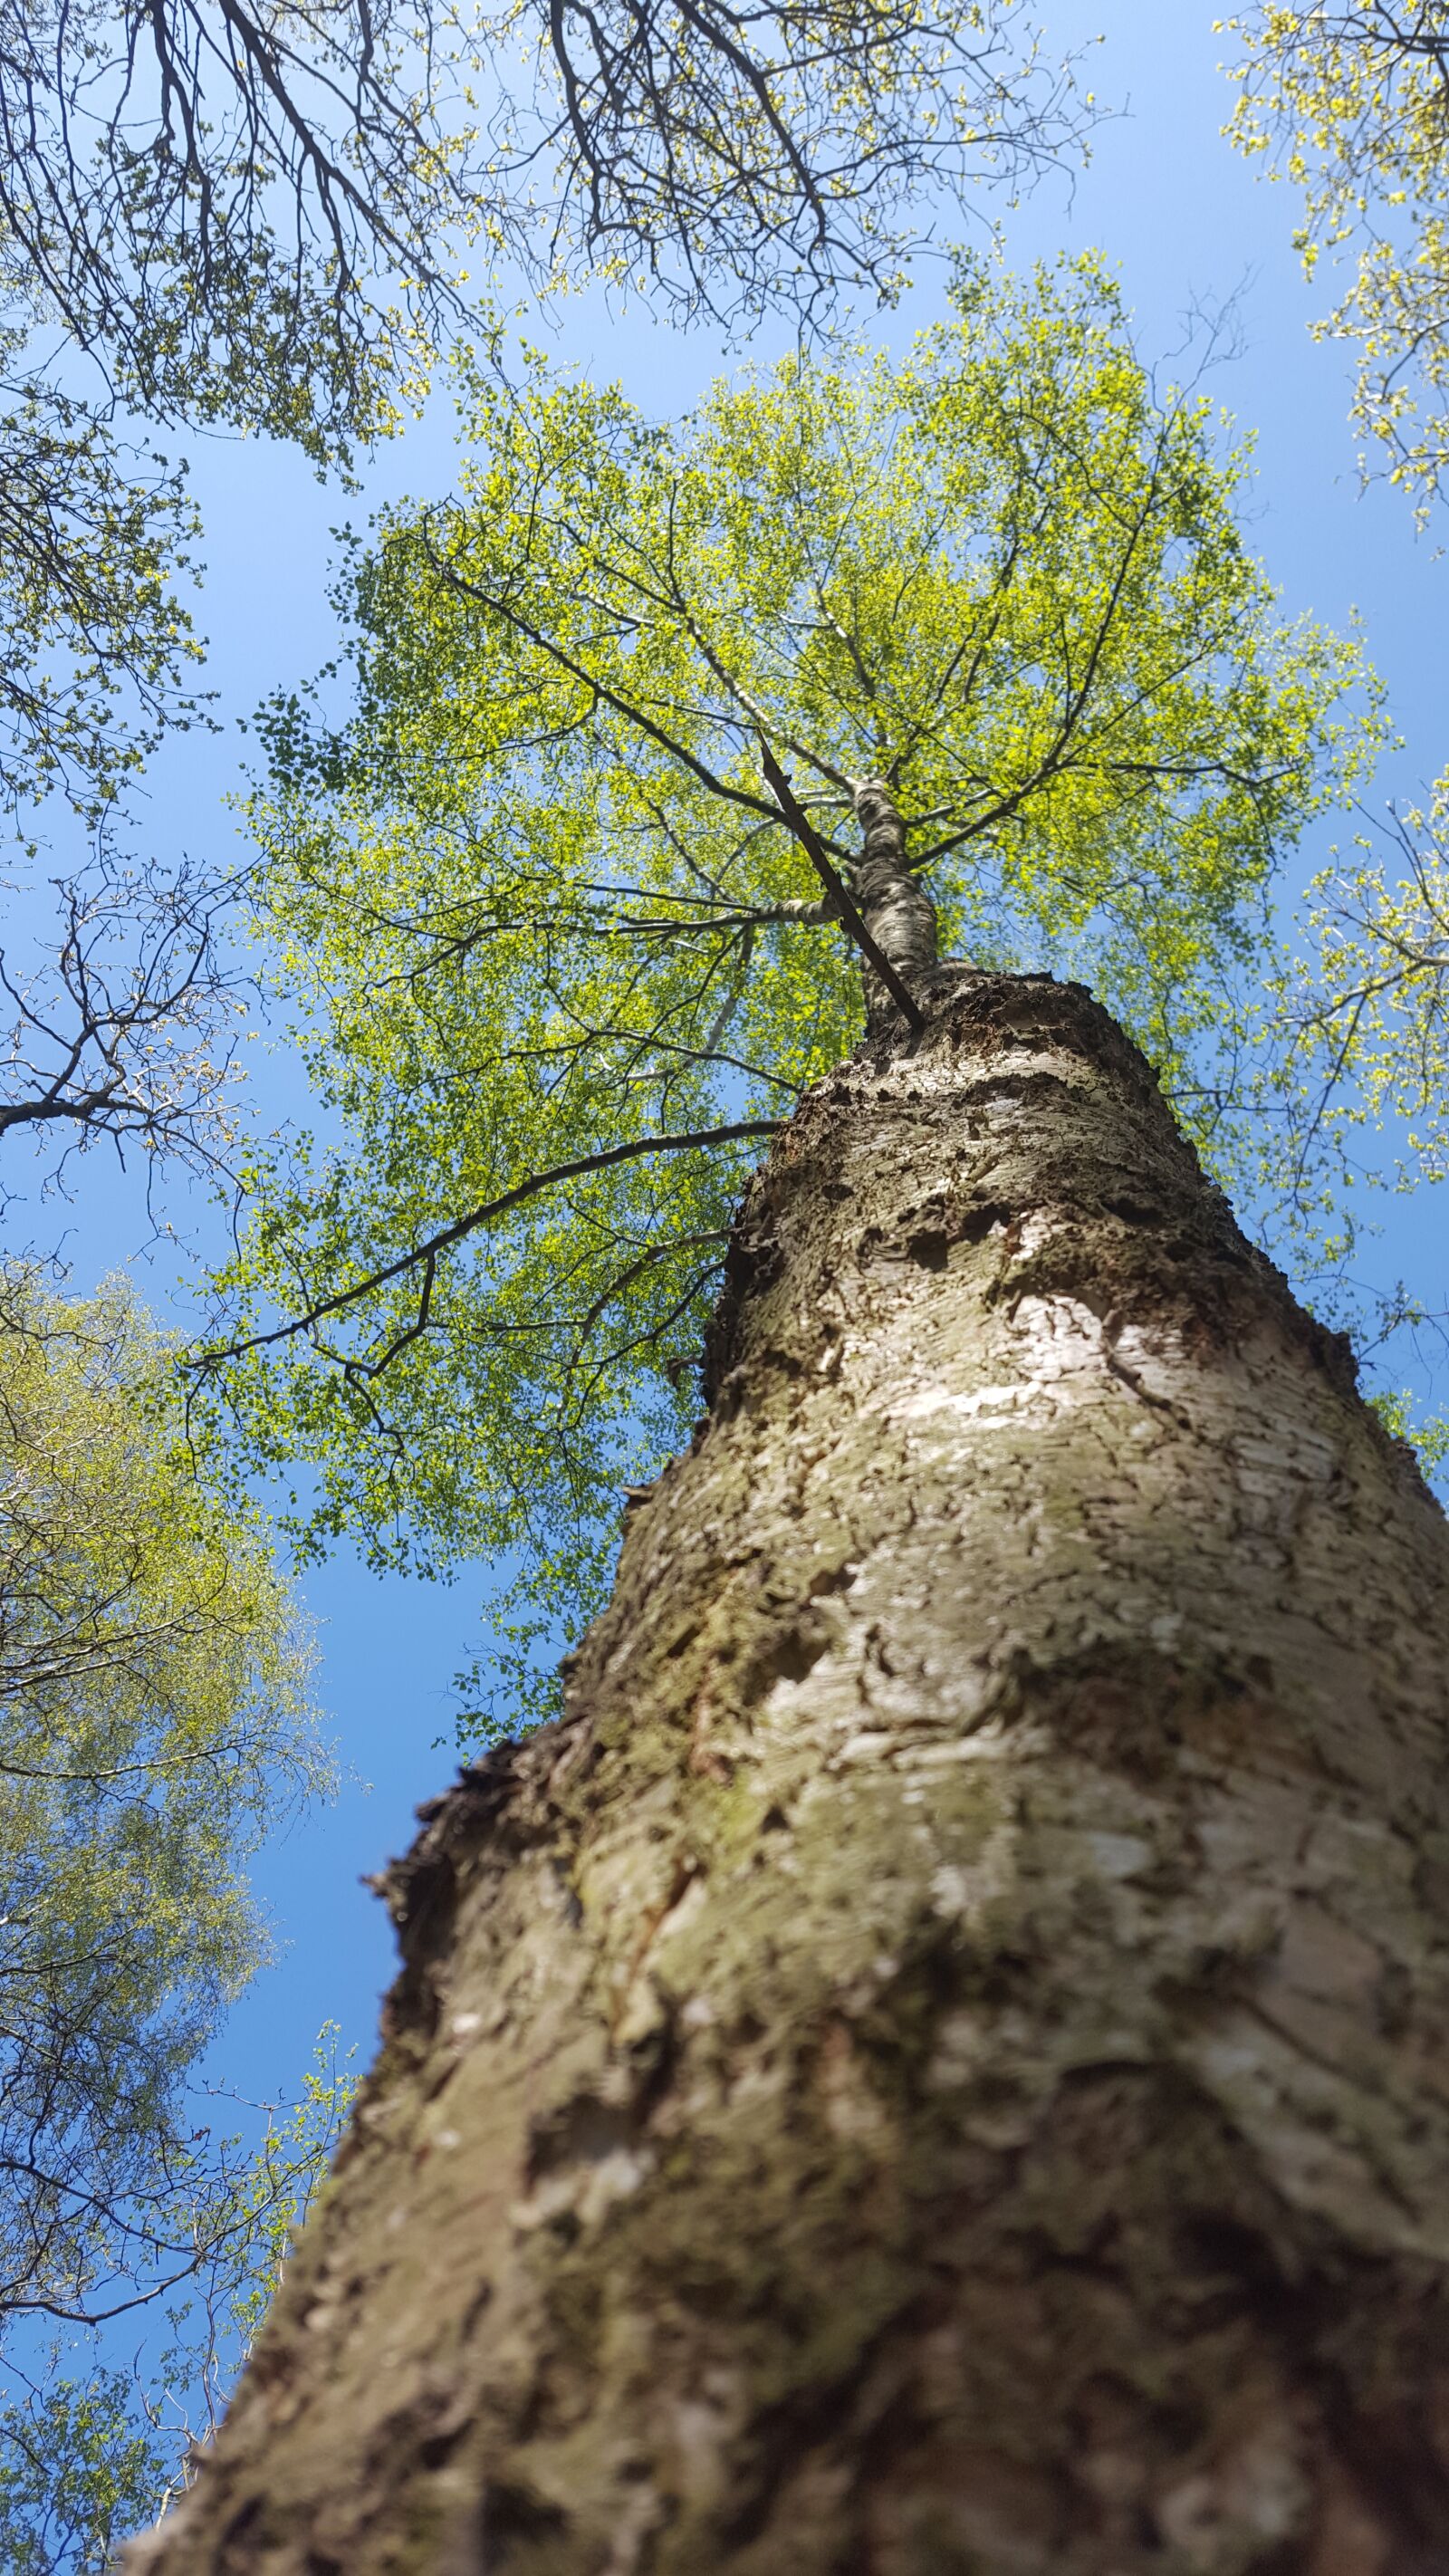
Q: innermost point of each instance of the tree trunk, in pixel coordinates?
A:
(896, 908)
(941, 2062)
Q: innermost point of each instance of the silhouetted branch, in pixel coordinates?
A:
(424, 1255)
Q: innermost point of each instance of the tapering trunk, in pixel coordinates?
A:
(941, 2062)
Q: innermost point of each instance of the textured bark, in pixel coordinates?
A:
(940, 2063)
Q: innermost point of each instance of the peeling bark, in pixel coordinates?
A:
(939, 2066)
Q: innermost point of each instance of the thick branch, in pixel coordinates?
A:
(424, 1255)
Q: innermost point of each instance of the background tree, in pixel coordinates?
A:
(564, 949)
(155, 1719)
(124, 1034)
(1376, 1012)
(154, 1725)
(1356, 101)
(258, 220)
(90, 2453)
(78, 2474)
(95, 648)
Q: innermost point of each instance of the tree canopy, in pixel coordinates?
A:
(261, 219)
(561, 955)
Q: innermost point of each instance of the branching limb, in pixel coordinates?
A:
(424, 1256)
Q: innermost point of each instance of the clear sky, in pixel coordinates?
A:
(1188, 225)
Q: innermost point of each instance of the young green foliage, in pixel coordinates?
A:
(1356, 99)
(80, 2471)
(542, 915)
(1428, 1436)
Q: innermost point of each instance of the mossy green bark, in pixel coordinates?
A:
(938, 2066)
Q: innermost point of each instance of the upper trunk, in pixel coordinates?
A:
(938, 2064)
(895, 906)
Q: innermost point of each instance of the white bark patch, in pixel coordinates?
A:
(1243, 2502)
(584, 2191)
(1118, 1855)
(1002, 1401)
(1062, 1353)
(970, 1893)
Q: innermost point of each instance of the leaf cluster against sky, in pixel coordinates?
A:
(1354, 103)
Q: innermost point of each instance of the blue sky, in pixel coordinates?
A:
(1188, 225)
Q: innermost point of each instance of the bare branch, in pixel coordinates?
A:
(123, 1031)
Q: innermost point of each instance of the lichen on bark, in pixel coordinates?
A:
(936, 2066)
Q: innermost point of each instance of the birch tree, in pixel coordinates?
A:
(153, 1690)
(568, 943)
(932, 2062)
